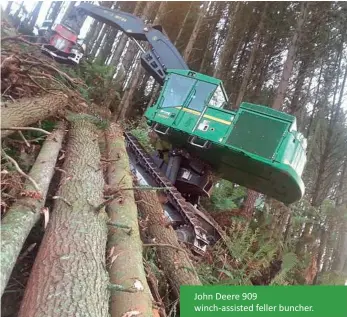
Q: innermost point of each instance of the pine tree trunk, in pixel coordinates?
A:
(175, 263)
(229, 47)
(16, 14)
(189, 48)
(91, 35)
(25, 212)
(289, 63)
(137, 75)
(69, 276)
(8, 7)
(207, 59)
(100, 37)
(178, 37)
(34, 15)
(124, 249)
(68, 9)
(27, 111)
(248, 205)
(54, 10)
(341, 199)
(251, 60)
(294, 105)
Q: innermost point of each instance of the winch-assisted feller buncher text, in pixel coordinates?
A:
(255, 146)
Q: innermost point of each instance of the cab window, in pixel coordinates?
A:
(218, 98)
(202, 92)
(177, 90)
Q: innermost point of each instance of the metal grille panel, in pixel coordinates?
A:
(257, 134)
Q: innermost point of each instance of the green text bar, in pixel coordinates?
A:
(272, 301)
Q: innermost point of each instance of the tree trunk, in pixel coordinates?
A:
(294, 104)
(251, 60)
(54, 10)
(68, 9)
(100, 36)
(341, 199)
(213, 17)
(8, 7)
(92, 36)
(289, 63)
(16, 14)
(315, 106)
(229, 47)
(124, 249)
(189, 48)
(27, 111)
(25, 212)
(69, 276)
(34, 15)
(138, 73)
(248, 205)
(175, 263)
(178, 37)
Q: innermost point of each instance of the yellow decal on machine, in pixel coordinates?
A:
(205, 115)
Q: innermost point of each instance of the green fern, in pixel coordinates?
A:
(289, 261)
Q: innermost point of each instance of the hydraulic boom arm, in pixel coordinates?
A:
(162, 54)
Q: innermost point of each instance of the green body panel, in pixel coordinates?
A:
(255, 146)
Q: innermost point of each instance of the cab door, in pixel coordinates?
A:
(173, 99)
(195, 106)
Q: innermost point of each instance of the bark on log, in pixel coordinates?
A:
(124, 250)
(69, 277)
(24, 214)
(28, 111)
(175, 263)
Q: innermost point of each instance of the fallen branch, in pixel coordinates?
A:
(18, 38)
(26, 252)
(106, 202)
(63, 199)
(27, 128)
(118, 225)
(72, 81)
(147, 188)
(39, 86)
(24, 139)
(20, 171)
(165, 245)
(118, 194)
(19, 219)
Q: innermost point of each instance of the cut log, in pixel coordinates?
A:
(24, 214)
(124, 247)
(175, 263)
(69, 276)
(27, 111)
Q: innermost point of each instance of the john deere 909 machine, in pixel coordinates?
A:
(255, 146)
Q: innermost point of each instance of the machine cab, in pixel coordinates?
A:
(184, 88)
(186, 98)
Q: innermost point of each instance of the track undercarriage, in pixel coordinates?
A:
(193, 227)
